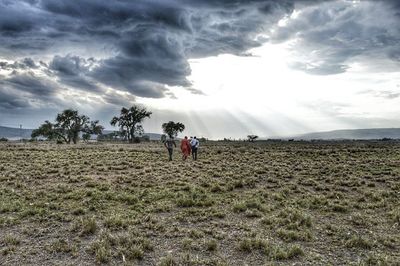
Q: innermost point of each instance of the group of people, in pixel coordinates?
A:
(188, 146)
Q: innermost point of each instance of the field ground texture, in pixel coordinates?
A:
(239, 204)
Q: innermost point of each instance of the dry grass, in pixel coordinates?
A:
(240, 203)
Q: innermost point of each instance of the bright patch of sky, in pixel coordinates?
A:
(265, 88)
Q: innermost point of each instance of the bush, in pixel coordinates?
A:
(143, 138)
(3, 139)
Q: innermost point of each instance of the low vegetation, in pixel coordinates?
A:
(240, 203)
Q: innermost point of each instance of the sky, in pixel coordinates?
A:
(226, 68)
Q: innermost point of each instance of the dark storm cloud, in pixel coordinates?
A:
(26, 90)
(152, 40)
(73, 71)
(28, 82)
(10, 100)
(69, 65)
(13, 21)
(118, 99)
(148, 59)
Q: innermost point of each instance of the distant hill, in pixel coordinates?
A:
(371, 133)
(16, 133)
(361, 134)
(152, 136)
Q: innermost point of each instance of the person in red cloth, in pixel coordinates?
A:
(185, 148)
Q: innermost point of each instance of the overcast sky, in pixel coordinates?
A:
(225, 68)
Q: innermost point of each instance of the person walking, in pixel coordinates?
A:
(169, 144)
(194, 143)
(185, 148)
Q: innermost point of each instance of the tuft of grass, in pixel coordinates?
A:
(102, 251)
(358, 242)
(253, 244)
(115, 222)
(78, 211)
(291, 235)
(250, 245)
(11, 240)
(88, 226)
(216, 188)
(211, 245)
(103, 254)
(135, 252)
(294, 218)
(128, 198)
(294, 251)
(280, 253)
(8, 250)
(339, 208)
(243, 206)
(359, 220)
(168, 261)
(62, 246)
(195, 198)
(187, 243)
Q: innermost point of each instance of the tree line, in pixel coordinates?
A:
(69, 126)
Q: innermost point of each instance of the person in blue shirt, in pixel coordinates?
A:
(194, 143)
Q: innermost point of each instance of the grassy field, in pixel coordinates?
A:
(239, 204)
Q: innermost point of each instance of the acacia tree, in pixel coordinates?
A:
(129, 121)
(172, 129)
(48, 130)
(252, 138)
(67, 127)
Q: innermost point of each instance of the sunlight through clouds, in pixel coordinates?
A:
(262, 87)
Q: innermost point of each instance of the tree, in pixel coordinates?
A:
(48, 130)
(67, 127)
(110, 136)
(172, 129)
(252, 138)
(86, 137)
(129, 121)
